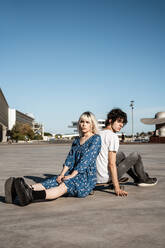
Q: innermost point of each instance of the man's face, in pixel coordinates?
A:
(117, 125)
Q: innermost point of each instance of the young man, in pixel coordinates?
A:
(111, 166)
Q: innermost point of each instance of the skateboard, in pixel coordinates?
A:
(122, 181)
(109, 185)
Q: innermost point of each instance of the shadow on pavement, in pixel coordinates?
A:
(109, 188)
(2, 199)
(40, 179)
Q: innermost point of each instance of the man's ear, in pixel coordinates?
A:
(110, 121)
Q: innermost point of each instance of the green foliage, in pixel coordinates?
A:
(47, 134)
(58, 136)
(38, 137)
(22, 131)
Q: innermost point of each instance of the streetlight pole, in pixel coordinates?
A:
(132, 108)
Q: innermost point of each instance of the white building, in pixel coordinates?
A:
(15, 116)
(9, 117)
(101, 125)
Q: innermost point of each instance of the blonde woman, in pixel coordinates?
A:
(78, 176)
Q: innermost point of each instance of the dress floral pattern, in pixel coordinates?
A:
(83, 159)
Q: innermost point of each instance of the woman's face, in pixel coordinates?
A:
(85, 125)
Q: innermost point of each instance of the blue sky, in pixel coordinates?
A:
(60, 58)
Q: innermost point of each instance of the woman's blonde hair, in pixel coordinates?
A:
(91, 117)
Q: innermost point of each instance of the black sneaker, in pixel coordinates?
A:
(149, 181)
(24, 192)
(10, 192)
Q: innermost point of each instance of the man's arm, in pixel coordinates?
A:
(113, 172)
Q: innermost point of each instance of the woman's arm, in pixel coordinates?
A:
(62, 174)
(70, 159)
(113, 171)
(73, 174)
(89, 155)
(69, 162)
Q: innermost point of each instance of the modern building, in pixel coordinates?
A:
(3, 117)
(38, 128)
(101, 125)
(159, 122)
(17, 116)
(9, 117)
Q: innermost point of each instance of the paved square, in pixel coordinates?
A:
(102, 220)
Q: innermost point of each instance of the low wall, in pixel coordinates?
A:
(157, 139)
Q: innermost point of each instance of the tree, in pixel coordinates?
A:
(22, 131)
(47, 134)
(27, 131)
(137, 134)
(58, 136)
(150, 133)
(38, 137)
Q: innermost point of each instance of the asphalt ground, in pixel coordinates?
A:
(100, 220)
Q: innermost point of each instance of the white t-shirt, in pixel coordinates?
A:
(109, 142)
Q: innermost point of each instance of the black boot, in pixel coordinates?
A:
(10, 192)
(26, 194)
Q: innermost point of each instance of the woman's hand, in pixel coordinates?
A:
(59, 179)
(120, 192)
(66, 177)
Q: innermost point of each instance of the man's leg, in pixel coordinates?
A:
(133, 165)
(120, 156)
(143, 177)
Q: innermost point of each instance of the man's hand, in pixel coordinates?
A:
(120, 192)
(59, 179)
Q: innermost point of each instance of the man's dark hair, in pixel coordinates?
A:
(115, 114)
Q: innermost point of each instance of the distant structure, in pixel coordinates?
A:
(9, 117)
(3, 117)
(159, 122)
(38, 128)
(101, 125)
(17, 116)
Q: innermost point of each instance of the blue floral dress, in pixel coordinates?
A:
(83, 159)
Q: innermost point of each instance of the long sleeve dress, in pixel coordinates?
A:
(83, 159)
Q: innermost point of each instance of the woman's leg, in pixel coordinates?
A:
(52, 188)
(26, 194)
(54, 193)
(49, 194)
(37, 186)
